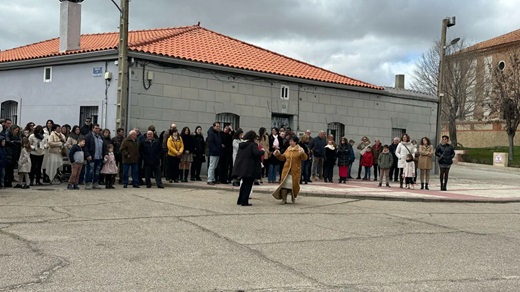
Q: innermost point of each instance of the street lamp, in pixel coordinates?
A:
(446, 22)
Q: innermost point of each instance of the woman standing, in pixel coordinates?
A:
(263, 139)
(330, 161)
(175, 150)
(343, 159)
(187, 155)
(425, 161)
(37, 153)
(56, 142)
(28, 130)
(290, 184)
(247, 165)
(306, 168)
(404, 148)
(13, 147)
(47, 130)
(361, 146)
(445, 154)
(199, 149)
(237, 139)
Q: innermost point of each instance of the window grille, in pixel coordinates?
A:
(226, 119)
(88, 112)
(10, 111)
(336, 129)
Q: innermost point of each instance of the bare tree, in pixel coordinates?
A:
(506, 94)
(460, 90)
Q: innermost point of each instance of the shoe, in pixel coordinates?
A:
(111, 187)
(80, 183)
(39, 183)
(422, 186)
(388, 185)
(211, 183)
(170, 181)
(25, 187)
(309, 181)
(125, 186)
(136, 186)
(192, 179)
(176, 180)
(18, 186)
(198, 179)
(216, 182)
(31, 184)
(70, 187)
(358, 177)
(375, 179)
(284, 201)
(160, 187)
(255, 183)
(305, 182)
(76, 187)
(88, 186)
(293, 199)
(426, 187)
(379, 185)
(247, 205)
(96, 186)
(148, 186)
(236, 184)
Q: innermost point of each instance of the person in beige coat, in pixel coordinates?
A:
(292, 171)
(425, 162)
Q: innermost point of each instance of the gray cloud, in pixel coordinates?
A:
(370, 40)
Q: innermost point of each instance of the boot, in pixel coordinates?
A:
(422, 186)
(76, 187)
(293, 199)
(283, 193)
(426, 187)
(401, 183)
(70, 187)
(186, 171)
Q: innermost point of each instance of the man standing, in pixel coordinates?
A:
(226, 159)
(87, 127)
(310, 158)
(394, 171)
(95, 150)
(116, 141)
(152, 154)
(318, 152)
(130, 154)
(215, 151)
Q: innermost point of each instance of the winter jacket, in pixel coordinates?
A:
(3, 154)
(214, 142)
(330, 155)
(37, 144)
(199, 145)
(109, 164)
(318, 147)
(73, 156)
(367, 159)
(425, 157)
(445, 154)
(403, 149)
(409, 169)
(152, 152)
(272, 158)
(188, 142)
(376, 150)
(293, 165)
(24, 163)
(248, 156)
(130, 150)
(13, 147)
(56, 141)
(175, 147)
(343, 155)
(90, 146)
(385, 160)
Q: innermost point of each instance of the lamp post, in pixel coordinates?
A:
(446, 22)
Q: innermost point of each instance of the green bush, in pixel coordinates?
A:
(485, 155)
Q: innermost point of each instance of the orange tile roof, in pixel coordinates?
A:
(193, 43)
(507, 38)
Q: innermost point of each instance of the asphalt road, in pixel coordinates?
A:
(200, 240)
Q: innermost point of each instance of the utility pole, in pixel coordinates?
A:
(122, 63)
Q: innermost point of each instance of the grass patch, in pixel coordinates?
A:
(485, 155)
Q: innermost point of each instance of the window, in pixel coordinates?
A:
(86, 112)
(279, 121)
(284, 92)
(47, 74)
(226, 119)
(501, 65)
(336, 129)
(396, 132)
(10, 111)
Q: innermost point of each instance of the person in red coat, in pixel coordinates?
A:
(367, 160)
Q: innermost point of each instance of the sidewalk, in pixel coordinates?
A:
(459, 189)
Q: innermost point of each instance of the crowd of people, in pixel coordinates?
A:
(91, 156)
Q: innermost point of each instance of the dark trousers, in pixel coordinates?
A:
(36, 168)
(245, 190)
(306, 170)
(444, 173)
(9, 175)
(135, 173)
(93, 170)
(173, 167)
(394, 171)
(359, 167)
(328, 170)
(156, 171)
(196, 166)
(223, 168)
(350, 168)
(110, 180)
(376, 171)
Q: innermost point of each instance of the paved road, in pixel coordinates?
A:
(181, 239)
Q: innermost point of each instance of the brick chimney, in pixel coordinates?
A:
(70, 25)
(399, 81)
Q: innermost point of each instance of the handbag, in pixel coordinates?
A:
(63, 152)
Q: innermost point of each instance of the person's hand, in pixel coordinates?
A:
(89, 158)
(301, 150)
(276, 152)
(187, 152)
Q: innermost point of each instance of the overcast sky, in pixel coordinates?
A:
(370, 40)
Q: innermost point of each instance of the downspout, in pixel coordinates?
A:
(298, 109)
(105, 110)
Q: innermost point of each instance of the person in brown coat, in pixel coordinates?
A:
(130, 155)
(425, 161)
(292, 171)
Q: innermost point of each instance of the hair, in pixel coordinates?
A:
(74, 129)
(26, 143)
(198, 127)
(294, 139)
(261, 132)
(119, 130)
(368, 147)
(109, 146)
(343, 139)
(427, 140)
(81, 139)
(304, 139)
(106, 130)
(52, 122)
(7, 119)
(249, 136)
(237, 134)
(386, 146)
(55, 126)
(95, 125)
(216, 123)
(407, 137)
(38, 130)
(447, 137)
(151, 128)
(28, 126)
(184, 131)
(351, 141)
(276, 129)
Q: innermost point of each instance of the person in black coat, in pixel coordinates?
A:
(444, 153)
(199, 150)
(247, 166)
(187, 156)
(13, 147)
(275, 143)
(152, 153)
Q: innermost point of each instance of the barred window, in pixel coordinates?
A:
(226, 119)
(10, 111)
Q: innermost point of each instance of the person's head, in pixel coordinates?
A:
(377, 142)
(425, 141)
(445, 139)
(396, 140)
(81, 142)
(216, 126)
(239, 133)
(76, 130)
(282, 129)
(106, 133)
(198, 130)
(38, 130)
(173, 126)
(249, 136)
(343, 141)
(26, 144)
(330, 142)
(414, 142)
(274, 131)
(304, 139)
(49, 124)
(409, 157)
(405, 138)
(149, 135)
(293, 141)
(308, 133)
(29, 127)
(368, 150)
(8, 123)
(364, 139)
(386, 149)
(261, 131)
(56, 128)
(151, 128)
(351, 142)
(120, 132)
(282, 134)
(322, 134)
(227, 130)
(175, 133)
(88, 121)
(186, 131)
(132, 134)
(330, 137)
(2, 141)
(110, 148)
(96, 129)
(137, 130)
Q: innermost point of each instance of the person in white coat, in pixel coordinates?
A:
(404, 148)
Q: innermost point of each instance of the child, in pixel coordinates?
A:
(367, 160)
(3, 161)
(385, 161)
(76, 157)
(409, 171)
(24, 164)
(109, 168)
